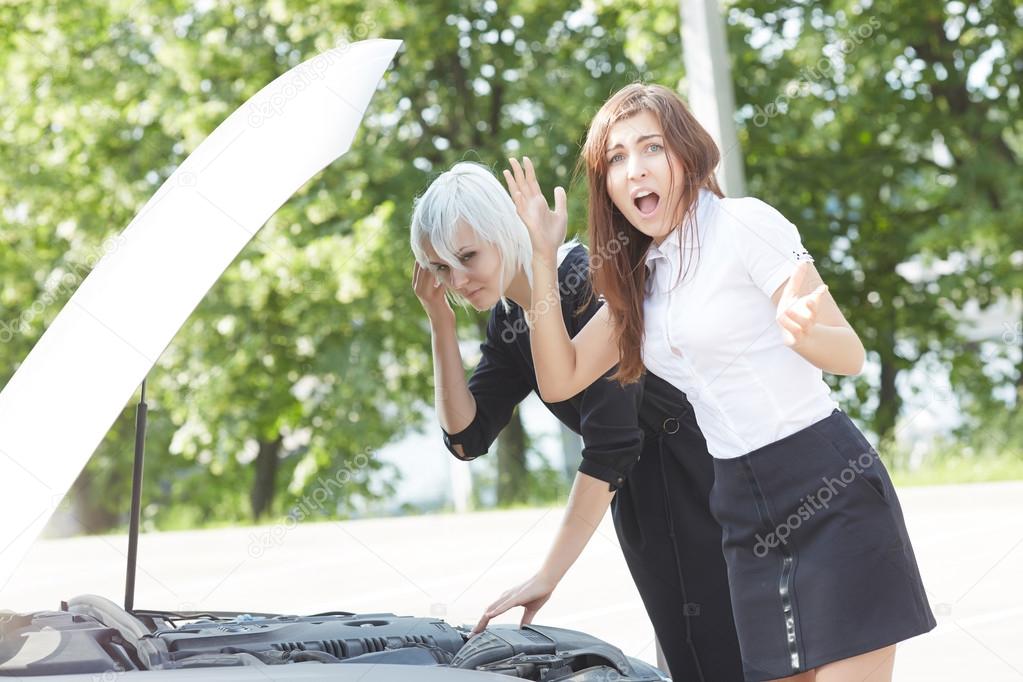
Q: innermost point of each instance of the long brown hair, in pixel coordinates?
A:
(617, 266)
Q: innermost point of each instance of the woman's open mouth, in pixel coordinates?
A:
(647, 203)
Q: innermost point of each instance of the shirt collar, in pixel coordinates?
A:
(669, 248)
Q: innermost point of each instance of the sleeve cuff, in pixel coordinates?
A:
(614, 478)
(453, 439)
(780, 275)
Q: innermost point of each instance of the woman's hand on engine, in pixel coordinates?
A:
(532, 595)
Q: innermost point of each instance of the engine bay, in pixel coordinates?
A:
(91, 634)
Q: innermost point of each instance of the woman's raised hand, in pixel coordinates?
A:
(430, 292)
(547, 228)
(797, 313)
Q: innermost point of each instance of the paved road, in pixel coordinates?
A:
(968, 539)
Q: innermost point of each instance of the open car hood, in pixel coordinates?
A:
(76, 380)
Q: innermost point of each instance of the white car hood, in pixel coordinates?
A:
(76, 380)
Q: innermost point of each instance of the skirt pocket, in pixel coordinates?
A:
(860, 462)
(862, 492)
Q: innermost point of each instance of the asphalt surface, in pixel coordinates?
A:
(968, 540)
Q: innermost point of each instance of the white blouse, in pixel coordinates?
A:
(713, 334)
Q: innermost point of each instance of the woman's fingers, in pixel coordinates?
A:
(418, 279)
(497, 602)
(509, 179)
(795, 281)
(560, 201)
(497, 609)
(481, 625)
(816, 295)
(800, 316)
(515, 190)
(789, 324)
(798, 320)
(531, 182)
(804, 309)
(529, 595)
(520, 178)
(425, 281)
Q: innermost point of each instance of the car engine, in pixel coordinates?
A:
(91, 634)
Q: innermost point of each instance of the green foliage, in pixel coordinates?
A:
(889, 132)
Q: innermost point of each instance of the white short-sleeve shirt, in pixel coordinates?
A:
(713, 335)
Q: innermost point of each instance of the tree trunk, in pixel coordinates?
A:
(88, 511)
(572, 446)
(511, 462)
(1019, 367)
(889, 402)
(264, 483)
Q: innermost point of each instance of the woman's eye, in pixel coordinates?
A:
(616, 158)
(440, 268)
(466, 256)
(654, 147)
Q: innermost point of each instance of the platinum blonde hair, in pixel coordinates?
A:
(470, 193)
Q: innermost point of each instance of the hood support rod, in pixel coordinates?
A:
(136, 500)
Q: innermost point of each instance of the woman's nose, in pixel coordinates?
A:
(637, 169)
(458, 277)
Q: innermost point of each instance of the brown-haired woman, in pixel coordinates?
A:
(719, 297)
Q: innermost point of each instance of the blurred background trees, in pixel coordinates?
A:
(888, 132)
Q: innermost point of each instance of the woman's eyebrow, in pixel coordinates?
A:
(458, 252)
(638, 139)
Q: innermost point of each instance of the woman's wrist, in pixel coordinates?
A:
(441, 318)
(550, 575)
(544, 259)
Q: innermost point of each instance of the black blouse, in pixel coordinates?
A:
(605, 414)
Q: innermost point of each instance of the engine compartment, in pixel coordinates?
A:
(91, 634)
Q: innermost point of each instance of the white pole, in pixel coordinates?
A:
(709, 86)
(461, 485)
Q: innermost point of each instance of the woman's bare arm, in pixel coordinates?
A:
(587, 504)
(564, 366)
(814, 326)
(455, 405)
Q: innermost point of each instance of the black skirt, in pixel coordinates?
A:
(672, 543)
(820, 566)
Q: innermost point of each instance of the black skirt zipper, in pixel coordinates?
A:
(785, 578)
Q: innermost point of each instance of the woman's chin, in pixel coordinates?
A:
(482, 302)
(655, 229)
